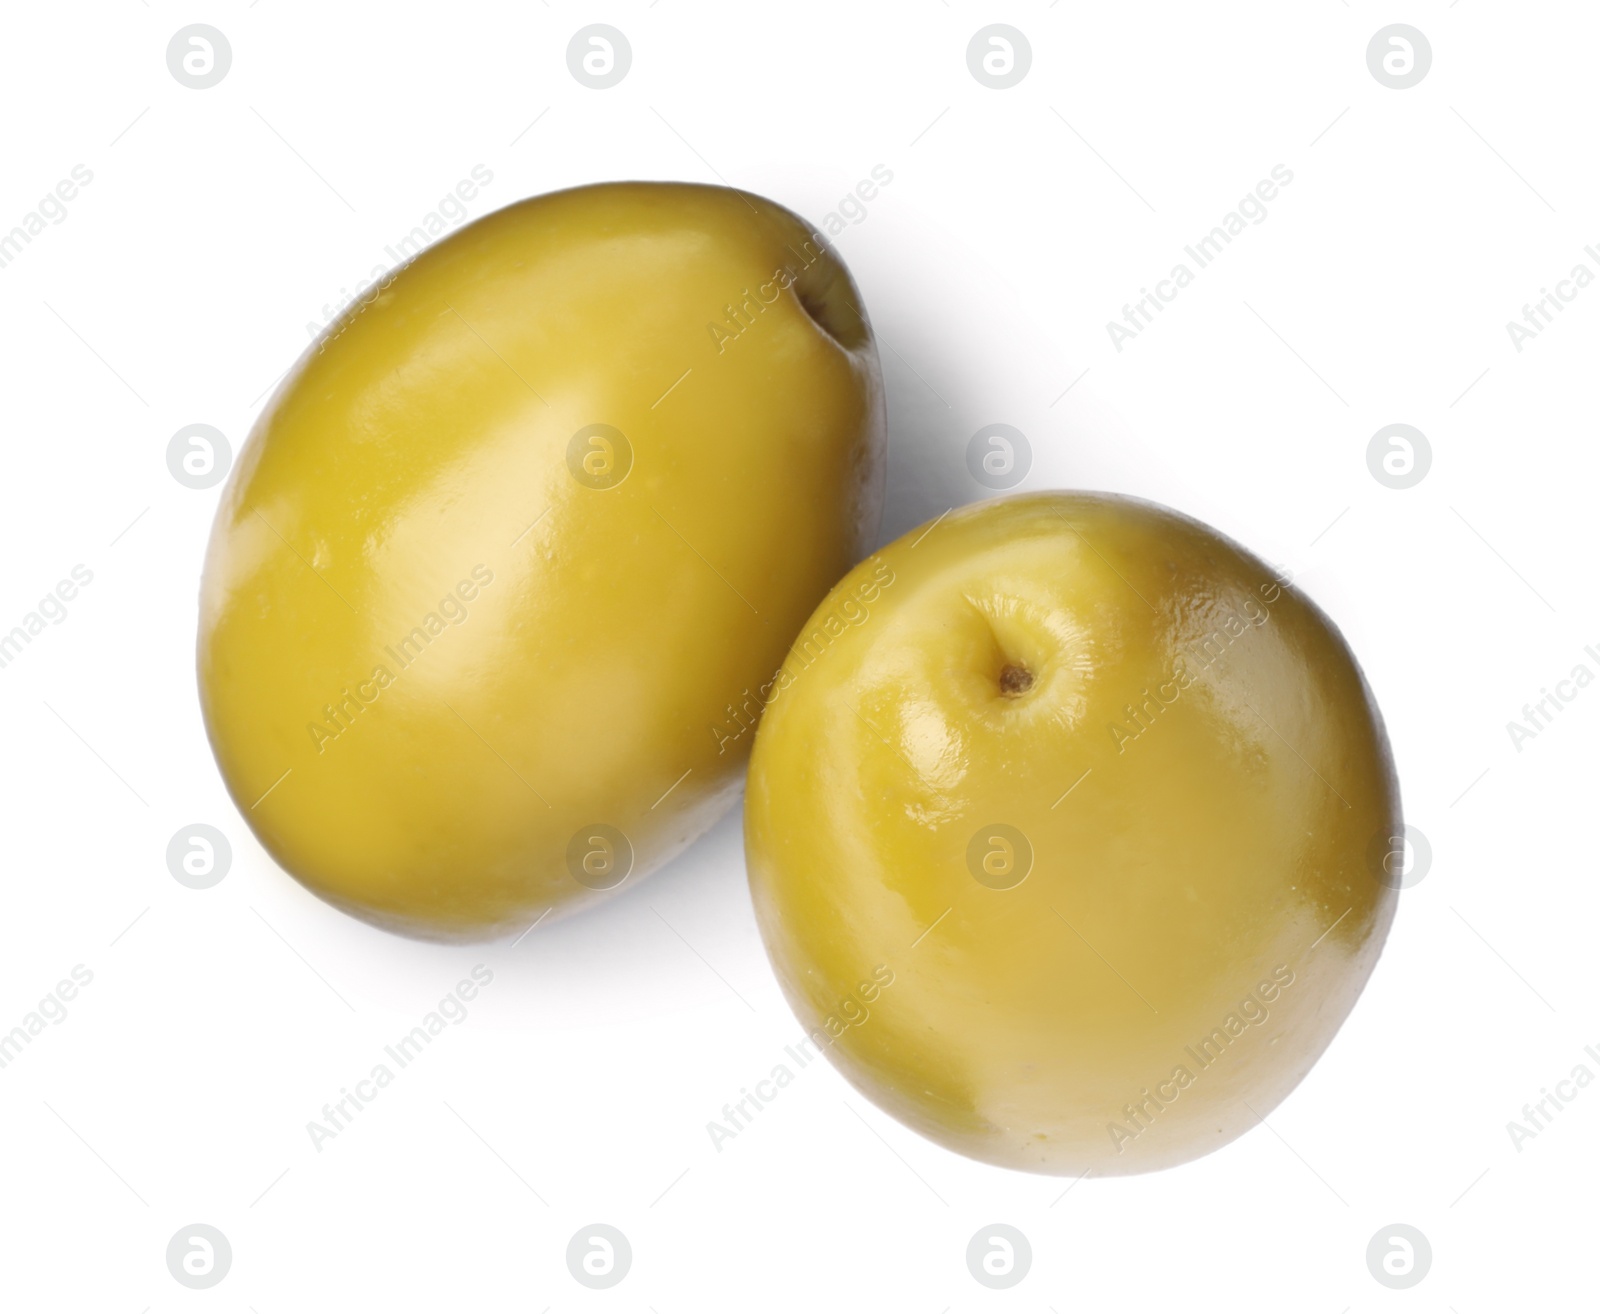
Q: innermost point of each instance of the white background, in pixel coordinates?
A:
(1377, 291)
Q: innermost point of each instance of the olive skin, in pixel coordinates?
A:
(494, 588)
(1069, 831)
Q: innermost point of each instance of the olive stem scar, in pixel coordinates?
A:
(895, 1152)
(1296, 1154)
(497, 1155)
(270, 788)
(679, 380)
(670, 1185)
(670, 788)
(850, 306)
(270, 1185)
(1070, 788)
(1105, 960)
(709, 566)
(304, 960)
(91, 748)
(1329, 931)
(703, 959)
(934, 923)
(97, 1154)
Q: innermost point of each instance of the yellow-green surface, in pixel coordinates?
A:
(1191, 755)
(441, 644)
